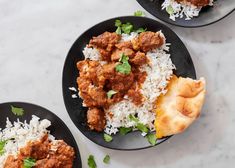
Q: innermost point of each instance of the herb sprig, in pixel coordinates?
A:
(127, 28)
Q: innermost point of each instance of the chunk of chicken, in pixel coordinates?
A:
(116, 55)
(139, 59)
(198, 3)
(148, 41)
(96, 119)
(105, 43)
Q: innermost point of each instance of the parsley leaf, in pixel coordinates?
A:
(110, 93)
(142, 127)
(139, 13)
(133, 118)
(108, 138)
(152, 139)
(91, 161)
(29, 163)
(106, 159)
(127, 28)
(17, 111)
(124, 130)
(141, 30)
(170, 10)
(2, 145)
(125, 67)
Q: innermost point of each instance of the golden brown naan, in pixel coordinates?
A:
(180, 106)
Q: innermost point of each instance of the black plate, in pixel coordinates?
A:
(208, 15)
(134, 140)
(58, 128)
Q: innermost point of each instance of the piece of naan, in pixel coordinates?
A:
(180, 106)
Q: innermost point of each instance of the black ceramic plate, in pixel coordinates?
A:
(134, 140)
(58, 128)
(208, 15)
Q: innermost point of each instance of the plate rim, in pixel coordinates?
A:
(140, 2)
(67, 58)
(54, 115)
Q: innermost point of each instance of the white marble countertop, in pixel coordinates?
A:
(35, 36)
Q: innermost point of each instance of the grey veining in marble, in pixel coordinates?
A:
(35, 36)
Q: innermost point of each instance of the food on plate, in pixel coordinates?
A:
(121, 78)
(31, 145)
(180, 106)
(187, 8)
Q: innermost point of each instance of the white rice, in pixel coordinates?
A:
(91, 53)
(18, 134)
(159, 72)
(129, 37)
(181, 9)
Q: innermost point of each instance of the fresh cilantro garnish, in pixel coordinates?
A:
(133, 118)
(17, 110)
(127, 28)
(142, 127)
(139, 13)
(140, 30)
(2, 145)
(152, 139)
(111, 93)
(119, 30)
(29, 163)
(124, 130)
(106, 159)
(91, 161)
(170, 10)
(139, 125)
(118, 23)
(108, 138)
(125, 67)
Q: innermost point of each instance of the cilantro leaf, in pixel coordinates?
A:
(125, 67)
(29, 163)
(91, 161)
(110, 93)
(139, 13)
(152, 139)
(142, 127)
(124, 130)
(106, 159)
(17, 110)
(127, 28)
(170, 10)
(2, 145)
(118, 23)
(123, 58)
(141, 30)
(108, 138)
(119, 30)
(133, 118)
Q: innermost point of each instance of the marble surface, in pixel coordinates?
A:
(35, 36)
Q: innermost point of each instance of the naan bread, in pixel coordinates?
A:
(180, 106)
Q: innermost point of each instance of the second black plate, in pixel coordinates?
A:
(58, 128)
(208, 15)
(134, 140)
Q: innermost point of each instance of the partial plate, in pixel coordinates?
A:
(58, 128)
(207, 16)
(132, 141)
